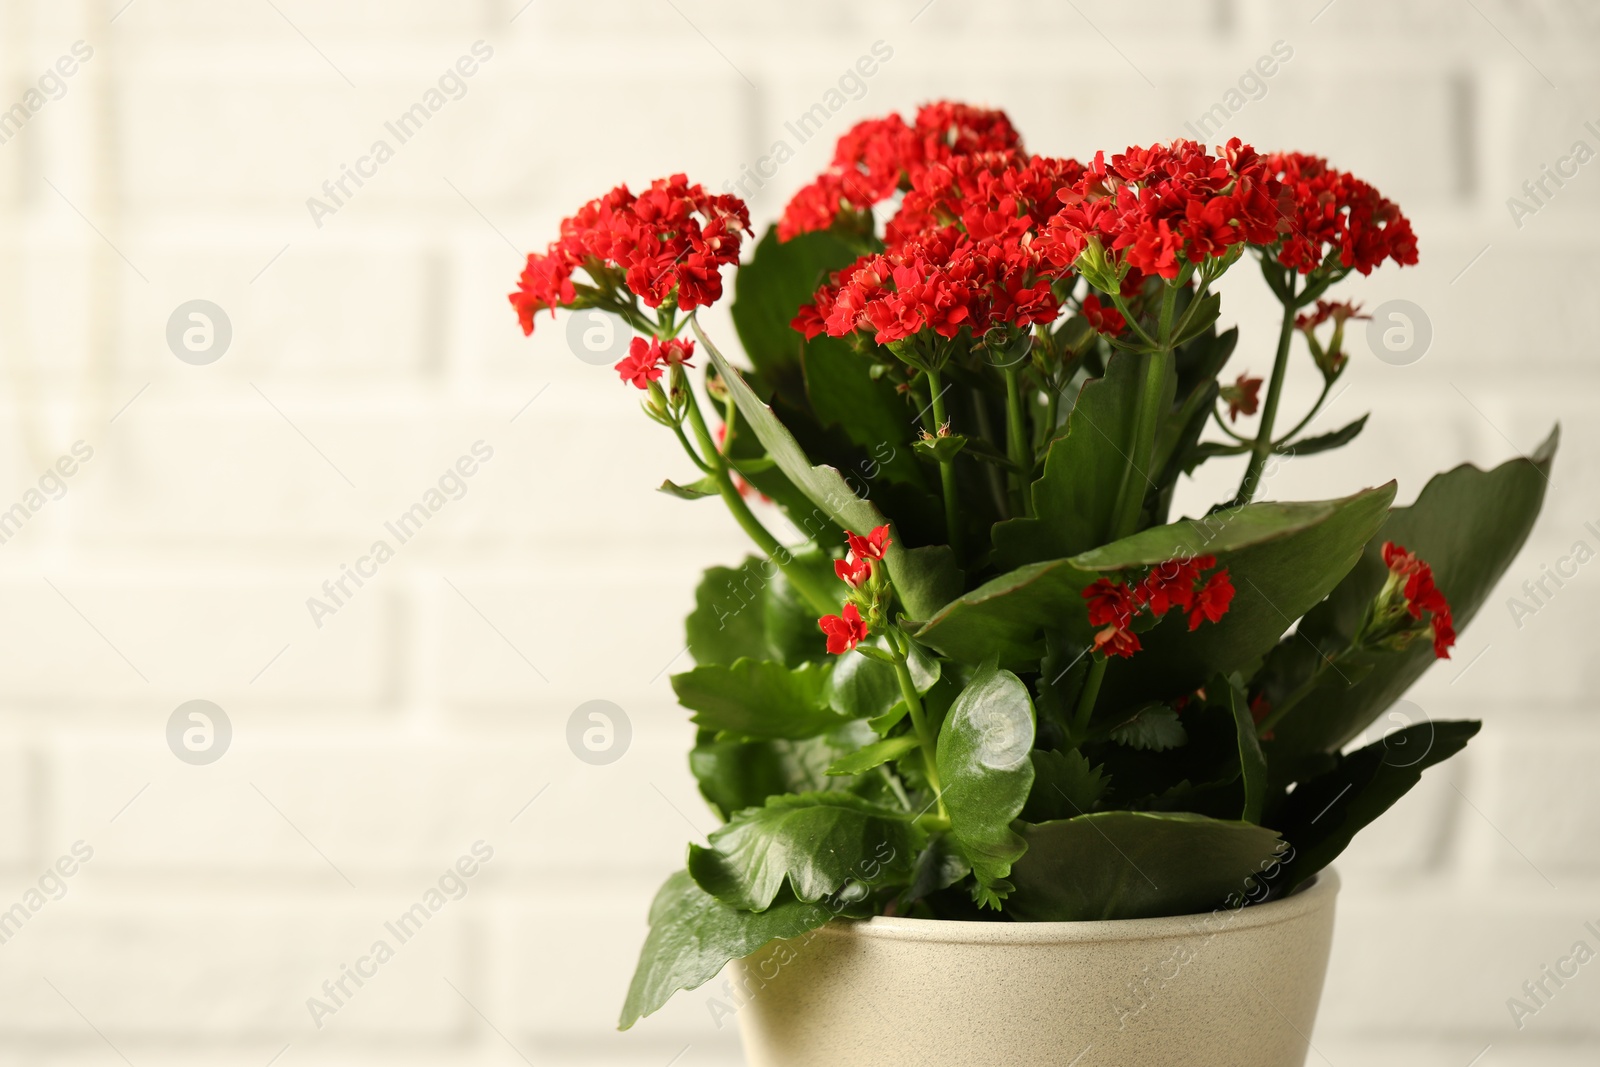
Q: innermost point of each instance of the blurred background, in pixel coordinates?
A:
(182, 485)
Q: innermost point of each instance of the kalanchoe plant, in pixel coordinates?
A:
(977, 671)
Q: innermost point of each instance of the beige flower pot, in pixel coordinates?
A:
(1230, 989)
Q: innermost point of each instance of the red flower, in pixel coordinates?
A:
(1323, 213)
(1110, 603)
(1211, 600)
(1172, 584)
(1104, 318)
(878, 157)
(871, 546)
(1243, 396)
(672, 238)
(1422, 595)
(845, 630)
(1155, 208)
(853, 570)
(1115, 641)
(646, 359)
(1339, 311)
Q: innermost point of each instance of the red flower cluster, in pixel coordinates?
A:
(1177, 583)
(1104, 318)
(1325, 211)
(672, 237)
(942, 282)
(1422, 595)
(646, 359)
(876, 158)
(960, 254)
(846, 630)
(1158, 207)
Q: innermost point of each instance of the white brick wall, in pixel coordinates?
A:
(373, 751)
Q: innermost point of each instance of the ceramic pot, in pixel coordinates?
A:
(1235, 988)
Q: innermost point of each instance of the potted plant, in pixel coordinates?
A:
(1012, 763)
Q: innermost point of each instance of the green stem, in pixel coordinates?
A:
(1327, 387)
(808, 586)
(1269, 408)
(919, 721)
(1052, 410)
(947, 471)
(1130, 495)
(1017, 443)
(1091, 691)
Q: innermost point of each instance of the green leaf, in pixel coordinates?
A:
(986, 773)
(752, 612)
(1074, 499)
(1134, 865)
(1310, 446)
(1252, 764)
(817, 841)
(1064, 785)
(1283, 559)
(866, 688)
(875, 416)
(1153, 728)
(1209, 450)
(693, 936)
(1277, 578)
(924, 577)
(769, 290)
(940, 449)
(758, 699)
(1468, 524)
(1007, 616)
(1204, 318)
(875, 755)
(698, 490)
(735, 773)
(939, 866)
(726, 623)
(1321, 816)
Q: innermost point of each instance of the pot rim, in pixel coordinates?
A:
(1317, 895)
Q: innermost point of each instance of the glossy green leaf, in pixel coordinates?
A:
(735, 773)
(1321, 816)
(864, 688)
(1252, 764)
(1283, 559)
(924, 577)
(815, 841)
(769, 290)
(1277, 578)
(1134, 865)
(1074, 498)
(1065, 784)
(752, 612)
(1468, 524)
(693, 936)
(874, 755)
(986, 773)
(939, 866)
(758, 699)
